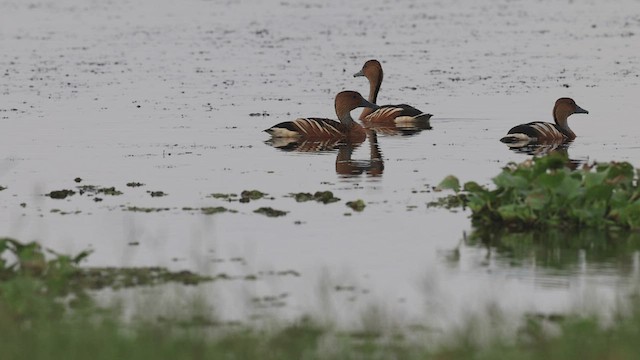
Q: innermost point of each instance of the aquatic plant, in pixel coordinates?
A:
(270, 212)
(325, 197)
(544, 193)
(356, 205)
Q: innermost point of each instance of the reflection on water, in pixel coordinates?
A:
(401, 129)
(345, 165)
(559, 252)
(540, 150)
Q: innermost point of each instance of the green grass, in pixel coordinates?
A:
(47, 313)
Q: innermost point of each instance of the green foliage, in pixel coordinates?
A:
(356, 205)
(270, 212)
(544, 193)
(37, 294)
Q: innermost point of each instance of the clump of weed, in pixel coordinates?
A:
(134, 184)
(248, 195)
(325, 197)
(270, 212)
(93, 189)
(213, 210)
(145, 209)
(60, 194)
(544, 193)
(157, 193)
(356, 205)
(223, 196)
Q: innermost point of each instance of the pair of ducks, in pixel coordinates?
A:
(389, 115)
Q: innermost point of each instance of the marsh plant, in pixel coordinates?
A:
(544, 192)
(45, 313)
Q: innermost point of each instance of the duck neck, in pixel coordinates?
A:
(375, 82)
(563, 123)
(346, 119)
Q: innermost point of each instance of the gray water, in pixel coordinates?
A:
(166, 93)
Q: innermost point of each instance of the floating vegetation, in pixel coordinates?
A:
(450, 202)
(62, 272)
(58, 211)
(60, 194)
(93, 189)
(543, 192)
(134, 184)
(3, 188)
(248, 195)
(145, 209)
(325, 197)
(157, 193)
(357, 205)
(229, 197)
(99, 278)
(210, 210)
(270, 212)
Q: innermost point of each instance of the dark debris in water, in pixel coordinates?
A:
(60, 194)
(93, 189)
(99, 278)
(58, 211)
(210, 210)
(157, 193)
(3, 188)
(134, 184)
(270, 212)
(146, 209)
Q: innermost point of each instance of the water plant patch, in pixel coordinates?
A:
(543, 192)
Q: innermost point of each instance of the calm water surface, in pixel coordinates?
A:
(175, 95)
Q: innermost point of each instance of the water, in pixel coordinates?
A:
(163, 93)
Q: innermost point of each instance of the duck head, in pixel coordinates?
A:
(565, 107)
(371, 69)
(347, 101)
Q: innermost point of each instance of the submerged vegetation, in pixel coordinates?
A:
(543, 192)
(46, 312)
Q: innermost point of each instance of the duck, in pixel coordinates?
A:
(385, 114)
(326, 129)
(544, 132)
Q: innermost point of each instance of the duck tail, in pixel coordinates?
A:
(517, 138)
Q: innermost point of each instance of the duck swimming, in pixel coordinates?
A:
(543, 132)
(325, 129)
(402, 113)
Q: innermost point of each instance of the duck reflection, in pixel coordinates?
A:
(345, 164)
(400, 129)
(541, 150)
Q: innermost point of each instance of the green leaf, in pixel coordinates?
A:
(508, 181)
(449, 183)
(473, 187)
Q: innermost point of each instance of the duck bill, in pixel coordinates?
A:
(359, 73)
(580, 110)
(367, 104)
